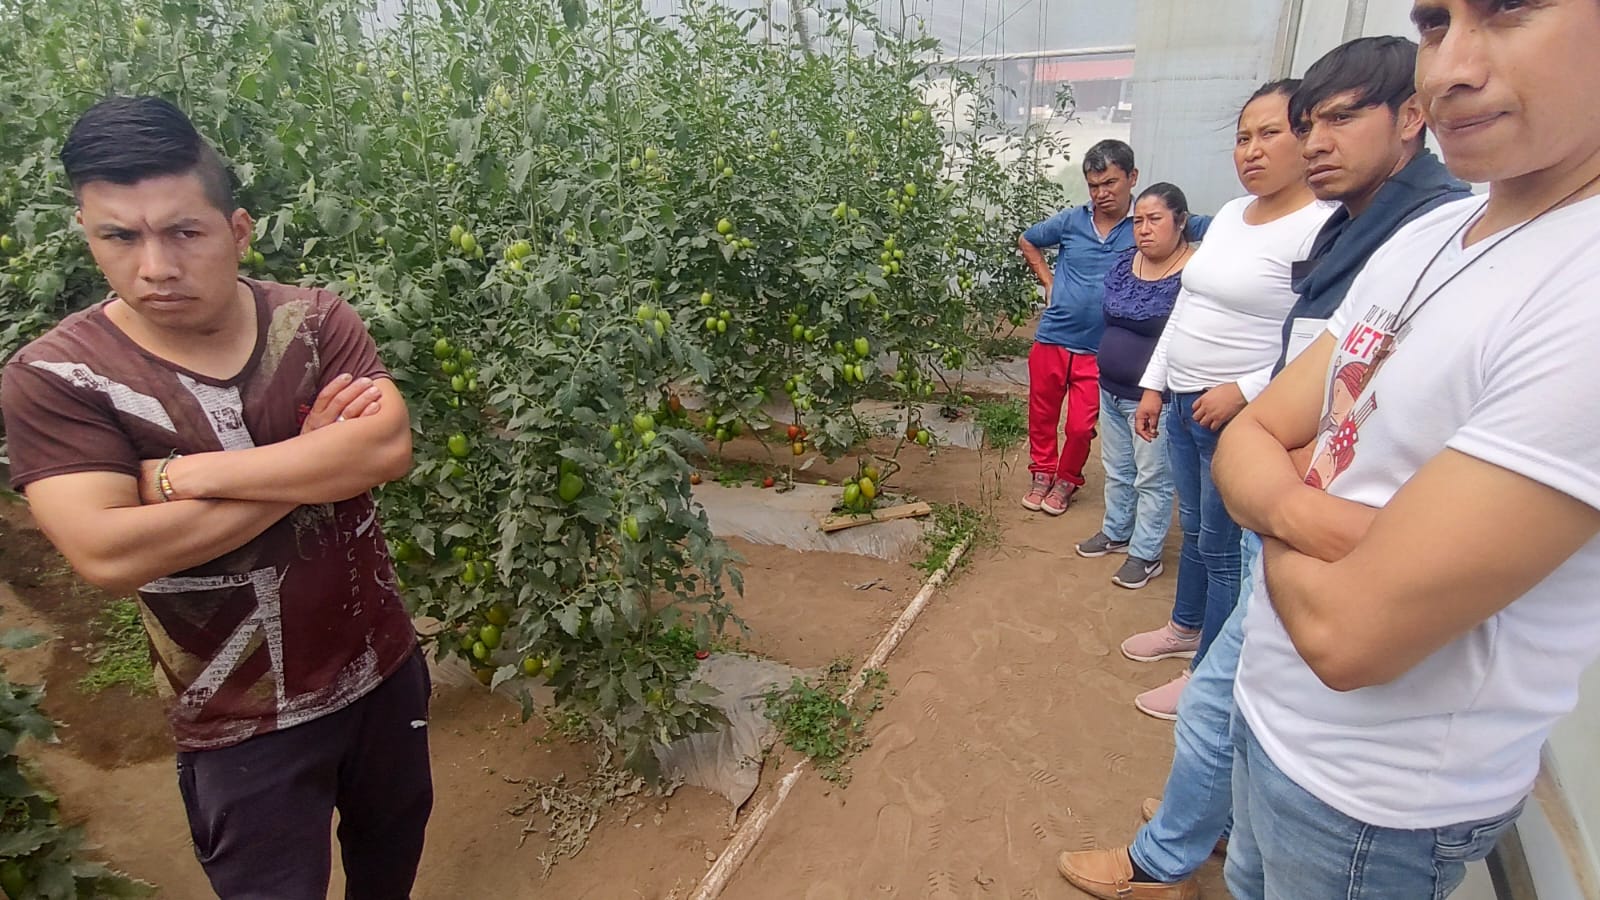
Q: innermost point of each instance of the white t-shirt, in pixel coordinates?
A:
(1227, 323)
(1499, 365)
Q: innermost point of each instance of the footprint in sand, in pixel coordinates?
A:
(935, 835)
(941, 886)
(1036, 633)
(1089, 642)
(923, 798)
(1044, 777)
(1116, 763)
(894, 738)
(894, 829)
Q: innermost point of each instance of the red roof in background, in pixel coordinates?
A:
(1086, 70)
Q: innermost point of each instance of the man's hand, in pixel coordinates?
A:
(345, 397)
(1218, 406)
(1035, 260)
(1147, 418)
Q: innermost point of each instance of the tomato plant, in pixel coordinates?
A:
(40, 857)
(555, 217)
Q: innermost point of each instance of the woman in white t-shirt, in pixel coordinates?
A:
(1216, 354)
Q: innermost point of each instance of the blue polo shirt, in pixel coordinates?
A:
(1074, 318)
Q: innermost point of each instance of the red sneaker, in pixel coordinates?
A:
(1059, 498)
(1034, 501)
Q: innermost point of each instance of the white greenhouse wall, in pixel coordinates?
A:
(1195, 65)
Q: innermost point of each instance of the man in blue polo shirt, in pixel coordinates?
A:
(1061, 365)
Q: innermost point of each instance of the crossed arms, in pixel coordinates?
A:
(118, 534)
(1367, 594)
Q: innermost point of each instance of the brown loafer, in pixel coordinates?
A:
(1151, 804)
(1108, 875)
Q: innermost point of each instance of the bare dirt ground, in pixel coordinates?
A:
(1011, 736)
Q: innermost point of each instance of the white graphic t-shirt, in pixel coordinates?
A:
(1499, 365)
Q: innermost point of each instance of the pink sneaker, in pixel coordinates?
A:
(1034, 500)
(1166, 642)
(1060, 497)
(1162, 702)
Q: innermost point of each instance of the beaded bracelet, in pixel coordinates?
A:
(164, 483)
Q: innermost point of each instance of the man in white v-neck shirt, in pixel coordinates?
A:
(1391, 705)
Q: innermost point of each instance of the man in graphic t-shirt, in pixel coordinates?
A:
(1392, 704)
(211, 442)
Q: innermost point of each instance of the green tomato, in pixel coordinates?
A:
(911, 189)
(460, 552)
(852, 493)
(480, 650)
(863, 347)
(646, 439)
(724, 227)
(661, 328)
(442, 349)
(469, 244)
(458, 383)
(722, 326)
(722, 435)
(450, 367)
(712, 322)
(630, 528)
(651, 154)
(570, 487)
(798, 331)
(705, 298)
(532, 665)
(644, 422)
(490, 635)
(459, 446)
(923, 437)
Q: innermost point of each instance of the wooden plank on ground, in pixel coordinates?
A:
(838, 522)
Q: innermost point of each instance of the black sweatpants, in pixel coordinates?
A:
(259, 811)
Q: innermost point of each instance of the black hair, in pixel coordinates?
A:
(125, 140)
(1378, 69)
(1285, 86)
(1173, 197)
(1106, 154)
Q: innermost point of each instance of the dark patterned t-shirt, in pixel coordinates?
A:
(300, 622)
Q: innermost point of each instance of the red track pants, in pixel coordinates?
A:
(1057, 375)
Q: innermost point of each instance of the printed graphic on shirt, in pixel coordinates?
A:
(299, 622)
(1350, 402)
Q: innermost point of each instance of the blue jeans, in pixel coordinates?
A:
(1208, 576)
(1288, 845)
(1138, 481)
(1198, 800)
